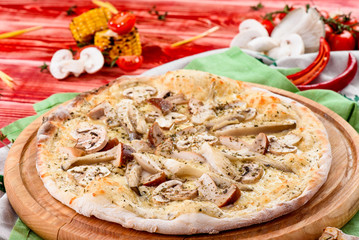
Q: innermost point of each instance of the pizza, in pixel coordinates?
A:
(186, 152)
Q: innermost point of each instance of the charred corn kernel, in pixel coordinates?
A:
(119, 45)
(84, 27)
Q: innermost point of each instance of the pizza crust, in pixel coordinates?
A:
(198, 85)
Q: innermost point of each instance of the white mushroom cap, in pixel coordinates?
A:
(62, 64)
(92, 58)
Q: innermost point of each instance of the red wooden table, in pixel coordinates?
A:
(22, 56)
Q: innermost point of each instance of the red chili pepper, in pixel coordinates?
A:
(315, 68)
(341, 81)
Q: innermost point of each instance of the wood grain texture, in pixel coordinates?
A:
(21, 56)
(334, 204)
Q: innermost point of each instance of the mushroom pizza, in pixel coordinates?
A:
(183, 153)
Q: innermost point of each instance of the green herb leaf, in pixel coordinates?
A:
(81, 44)
(113, 62)
(257, 7)
(153, 11)
(163, 16)
(44, 67)
(71, 11)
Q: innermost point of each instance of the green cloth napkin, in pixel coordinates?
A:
(12, 131)
(233, 64)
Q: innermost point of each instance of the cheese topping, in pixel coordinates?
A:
(205, 171)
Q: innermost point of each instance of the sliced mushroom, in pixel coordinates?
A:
(139, 93)
(147, 163)
(201, 111)
(124, 154)
(284, 144)
(255, 128)
(191, 130)
(227, 119)
(71, 152)
(119, 155)
(221, 197)
(184, 142)
(252, 173)
(154, 179)
(219, 162)
(223, 182)
(260, 144)
(92, 58)
(133, 175)
(105, 111)
(187, 155)
(85, 174)
(152, 116)
(242, 154)
(181, 169)
(155, 135)
(141, 146)
(177, 99)
(98, 112)
(291, 139)
(166, 149)
(207, 187)
(131, 119)
(172, 190)
(246, 154)
(163, 104)
(110, 144)
(170, 119)
(233, 142)
(91, 139)
(249, 113)
(112, 119)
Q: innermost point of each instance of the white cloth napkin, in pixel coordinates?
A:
(7, 214)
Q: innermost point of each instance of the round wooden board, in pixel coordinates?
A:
(334, 204)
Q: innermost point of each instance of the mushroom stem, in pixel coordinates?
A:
(91, 158)
(255, 128)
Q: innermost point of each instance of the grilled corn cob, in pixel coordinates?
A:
(118, 45)
(84, 27)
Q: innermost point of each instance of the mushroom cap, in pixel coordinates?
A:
(92, 58)
(139, 93)
(60, 63)
(252, 173)
(93, 139)
(260, 144)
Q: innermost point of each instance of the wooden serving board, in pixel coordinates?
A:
(334, 204)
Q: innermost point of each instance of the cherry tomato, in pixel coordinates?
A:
(355, 31)
(129, 63)
(328, 32)
(351, 21)
(122, 23)
(268, 25)
(342, 41)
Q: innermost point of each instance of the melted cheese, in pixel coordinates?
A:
(274, 187)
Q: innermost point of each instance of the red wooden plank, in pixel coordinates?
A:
(20, 57)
